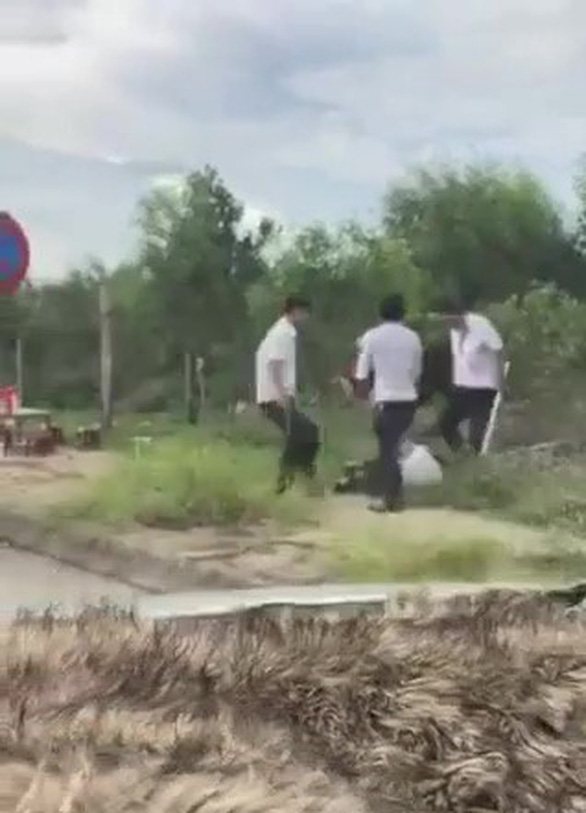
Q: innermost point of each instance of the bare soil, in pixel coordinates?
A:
(31, 484)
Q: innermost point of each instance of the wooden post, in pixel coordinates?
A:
(105, 355)
(188, 370)
(19, 370)
(201, 382)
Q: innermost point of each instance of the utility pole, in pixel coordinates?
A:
(19, 362)
(201, 381)
(105, 354)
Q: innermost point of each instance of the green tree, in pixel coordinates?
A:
(344, 273)
(580, 237)
(483, 231)
(200, 263)
(61, 342)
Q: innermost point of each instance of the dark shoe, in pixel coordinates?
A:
(384, 507)
(284, 483)
(344, 486)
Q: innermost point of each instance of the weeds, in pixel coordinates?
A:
(518, 489)
(375, 557)
(188, 481)
(222, 472)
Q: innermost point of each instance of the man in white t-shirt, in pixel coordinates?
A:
(391, 354)
(276, 390)
(478, 366)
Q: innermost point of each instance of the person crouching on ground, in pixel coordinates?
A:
(478, 372)
(276, 387)
(392, 353)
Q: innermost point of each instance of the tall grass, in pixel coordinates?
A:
(374, 557)
(522, 490)
(378, 557)
(192, 480)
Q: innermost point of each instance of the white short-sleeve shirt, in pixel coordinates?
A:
(279, 344)
(393, 352)
(475, 354)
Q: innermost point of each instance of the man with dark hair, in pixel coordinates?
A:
(392, 354)
(276, 389)
(478, 371)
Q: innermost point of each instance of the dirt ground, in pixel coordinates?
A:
(174, 560)
(149, 558)
(32, 484)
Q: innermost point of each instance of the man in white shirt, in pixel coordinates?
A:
(478, 367)
(392, 354)
(276, 389)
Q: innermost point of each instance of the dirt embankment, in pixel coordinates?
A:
(164, 560)
(148, 559)
(475, 705)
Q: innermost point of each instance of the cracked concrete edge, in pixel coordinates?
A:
(93, 552)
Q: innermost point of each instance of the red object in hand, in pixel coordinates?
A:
(9, 401)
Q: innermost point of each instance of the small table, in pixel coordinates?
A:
(13, 425)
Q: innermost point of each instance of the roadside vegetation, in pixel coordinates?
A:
(436, 236)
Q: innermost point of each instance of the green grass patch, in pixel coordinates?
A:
(543, 497)
(192, 480)
(374, 557)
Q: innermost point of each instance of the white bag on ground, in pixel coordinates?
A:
(419, 466)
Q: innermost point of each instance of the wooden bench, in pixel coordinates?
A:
(34, 444)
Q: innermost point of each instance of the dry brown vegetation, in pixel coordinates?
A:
(476, 704)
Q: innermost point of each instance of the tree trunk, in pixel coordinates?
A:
(106, 356)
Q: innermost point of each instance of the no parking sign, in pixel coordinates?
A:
(14, 254)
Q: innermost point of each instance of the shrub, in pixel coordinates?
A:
(545, 334)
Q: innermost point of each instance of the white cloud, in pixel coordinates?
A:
(308, 107)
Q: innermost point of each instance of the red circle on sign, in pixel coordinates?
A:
(15, 273)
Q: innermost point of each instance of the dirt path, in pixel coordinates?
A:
(32, 484)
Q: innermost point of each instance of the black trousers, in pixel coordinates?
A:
(391, 421)
(474, 405)
(301, 438)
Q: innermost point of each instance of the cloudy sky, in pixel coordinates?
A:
(307, 107)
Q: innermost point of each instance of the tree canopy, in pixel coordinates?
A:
(483, 232)
(204, 283)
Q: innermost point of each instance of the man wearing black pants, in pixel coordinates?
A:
(276, 384)
(393, 354)
(301, 442)
(473, 405)
(477, 376)
(391, 422)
